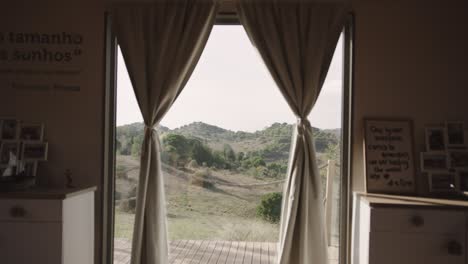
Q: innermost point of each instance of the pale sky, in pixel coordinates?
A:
(231, 88)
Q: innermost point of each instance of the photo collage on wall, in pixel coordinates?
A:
(445, 161)
(22, 147)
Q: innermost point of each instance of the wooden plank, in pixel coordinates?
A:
(215, 256)
(231, 258)
(173, 243)
(264, 257)
(197, 252)
(272, 252)
(185, 252)
(175, 252)
(208, 252)
(224, 252)
(240, 254)
(248, 257)
(256, 253)
(173, 248)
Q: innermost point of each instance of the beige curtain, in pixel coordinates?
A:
(296, 40)
(161, 43)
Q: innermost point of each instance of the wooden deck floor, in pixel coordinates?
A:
(207, 252)
(214, 252)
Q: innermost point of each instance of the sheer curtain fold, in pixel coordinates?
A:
(161, 43)
(296, 40)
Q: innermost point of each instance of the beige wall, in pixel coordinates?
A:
(73, 120)
(411, 61)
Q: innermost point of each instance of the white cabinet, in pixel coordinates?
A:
(389, 230)
(47, 227)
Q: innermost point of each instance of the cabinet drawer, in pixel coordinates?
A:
(411, 248)
(31, 210)
(31, 243)
(417, 220)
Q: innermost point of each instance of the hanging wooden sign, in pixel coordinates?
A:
(389, 158)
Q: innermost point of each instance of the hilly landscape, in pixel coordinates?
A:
(220, 184)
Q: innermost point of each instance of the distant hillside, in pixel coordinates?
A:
(273, 142)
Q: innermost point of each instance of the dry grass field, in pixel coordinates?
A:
(220, 206)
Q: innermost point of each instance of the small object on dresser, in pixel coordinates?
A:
(68, 176)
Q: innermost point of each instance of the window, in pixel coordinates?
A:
(225, 150)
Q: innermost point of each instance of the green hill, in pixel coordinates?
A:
(273, 142)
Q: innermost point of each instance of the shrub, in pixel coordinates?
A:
(269, 208)
(201, 178)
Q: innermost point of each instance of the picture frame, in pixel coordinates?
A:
(443, 182)
(9, 129)
(34, 151)
(458, 159)
(434, 162)
(31, 132)
(436, 138)
(462, 180)
(8, 148)
(3, 169)
(28, 168)
(455, 134)
(389, 156)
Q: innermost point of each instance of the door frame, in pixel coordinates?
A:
(224, 18)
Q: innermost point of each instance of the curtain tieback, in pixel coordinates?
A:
(152, 132)
(302, 125)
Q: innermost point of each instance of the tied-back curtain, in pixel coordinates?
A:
(297, 39)
(161, 43)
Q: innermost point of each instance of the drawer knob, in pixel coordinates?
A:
(454, 248)
(17, 212)
(417, 221)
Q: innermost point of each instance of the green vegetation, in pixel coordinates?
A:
(270, 207)
(220, 184)
(261, 154)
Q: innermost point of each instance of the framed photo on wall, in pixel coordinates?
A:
(455, 134)
(28, 168)
(435, 138)
(434, 161)
(458, 159)
(463, 180)
(389, 156)
(9, 129)
(443, 182)
(31, 132)
(34, 151)
(9, 152)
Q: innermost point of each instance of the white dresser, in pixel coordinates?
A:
(407, 230)
(47, 227)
